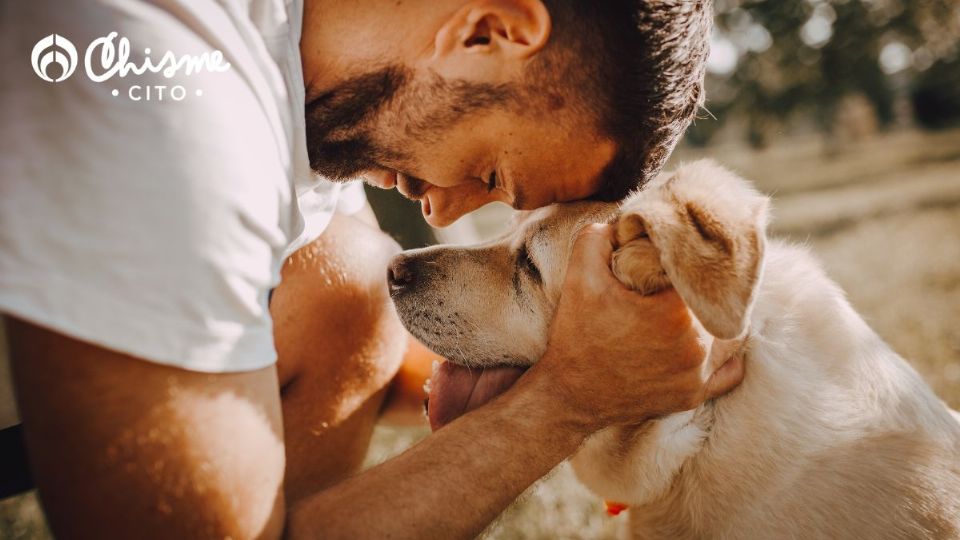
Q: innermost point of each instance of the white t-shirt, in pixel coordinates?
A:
(147, 221)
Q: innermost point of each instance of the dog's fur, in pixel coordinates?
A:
(830, 435)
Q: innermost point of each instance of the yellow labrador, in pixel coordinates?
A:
(830, 435)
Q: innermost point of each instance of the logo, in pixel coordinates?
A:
(111, 59)
(54, 49)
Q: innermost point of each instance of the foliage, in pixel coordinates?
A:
(776, 60)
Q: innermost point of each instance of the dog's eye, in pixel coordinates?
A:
(525, 262)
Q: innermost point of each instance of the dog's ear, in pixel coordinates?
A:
(706, 228)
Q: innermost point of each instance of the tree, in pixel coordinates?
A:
(775, 60)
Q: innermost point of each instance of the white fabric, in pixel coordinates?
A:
(156, 228)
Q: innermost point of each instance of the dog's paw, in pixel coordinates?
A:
(636, 261)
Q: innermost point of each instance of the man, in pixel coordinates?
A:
(141, 239)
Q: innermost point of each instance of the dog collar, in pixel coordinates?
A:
(614, 508)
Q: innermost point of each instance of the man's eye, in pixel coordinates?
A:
(492, 181)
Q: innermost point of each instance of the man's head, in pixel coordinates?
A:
(459, 103)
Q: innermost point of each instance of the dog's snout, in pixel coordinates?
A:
(401, 274)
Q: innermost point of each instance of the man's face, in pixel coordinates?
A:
(450, 152)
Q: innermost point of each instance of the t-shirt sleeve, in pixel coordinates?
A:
(144, 224)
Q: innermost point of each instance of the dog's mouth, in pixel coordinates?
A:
(456, 390)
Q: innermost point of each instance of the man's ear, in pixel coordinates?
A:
(708, 226)
(490, 40)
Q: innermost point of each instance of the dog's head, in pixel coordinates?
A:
(491, 304)
(700, 230)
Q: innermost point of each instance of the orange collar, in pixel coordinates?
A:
(614, 508)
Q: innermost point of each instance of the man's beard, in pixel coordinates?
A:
(341, 123)
(339, 142)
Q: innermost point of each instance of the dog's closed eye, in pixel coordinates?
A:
(526, 263)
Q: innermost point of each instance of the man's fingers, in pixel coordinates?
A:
(593, 247)
(589, 265)
(726, 378)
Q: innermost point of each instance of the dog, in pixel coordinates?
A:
(831, 434)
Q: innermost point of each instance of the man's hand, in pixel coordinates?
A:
(620, 357)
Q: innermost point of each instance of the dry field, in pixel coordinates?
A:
(883, 216)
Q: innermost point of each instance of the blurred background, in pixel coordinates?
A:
(847, 112)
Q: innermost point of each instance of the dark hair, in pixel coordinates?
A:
(638, 67)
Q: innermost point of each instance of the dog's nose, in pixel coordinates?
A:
(400, 274)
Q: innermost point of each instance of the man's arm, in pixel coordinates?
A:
(123, 448)
(126, 448)
(129, 449)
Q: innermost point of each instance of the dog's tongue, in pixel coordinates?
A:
(456, 390)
